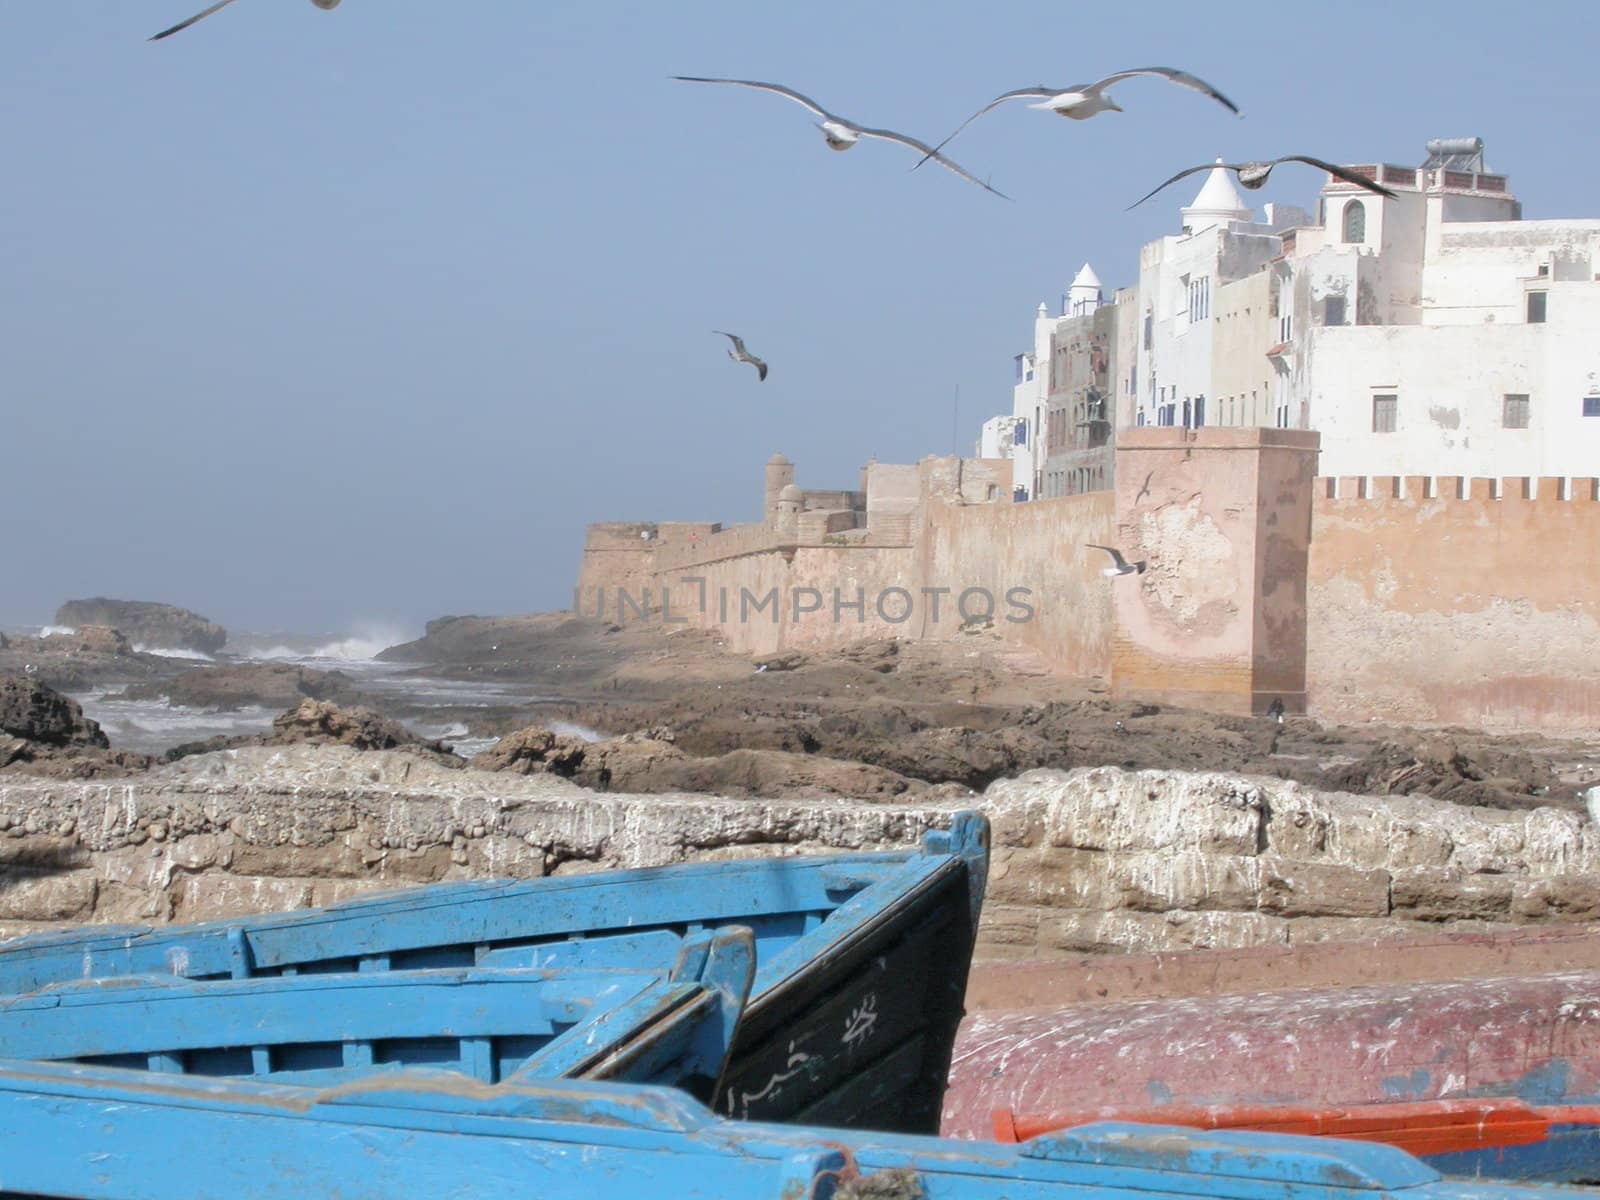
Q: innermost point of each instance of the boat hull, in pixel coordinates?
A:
(99, 1134)
(861, 960)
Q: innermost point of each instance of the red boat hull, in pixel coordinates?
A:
(1537, 1039)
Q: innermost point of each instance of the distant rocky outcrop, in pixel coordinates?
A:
(246, 685)
(91, 656)
(147, 623)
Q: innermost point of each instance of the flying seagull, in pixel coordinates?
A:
(1123, 567)
(1253, 175)
(1081, 101)
(841, 134)
(325, 5)
(740, 354)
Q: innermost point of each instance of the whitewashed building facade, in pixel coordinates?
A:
(1436, 333)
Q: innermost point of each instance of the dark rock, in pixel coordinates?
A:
(647, 761)
(97, 639)
(882, 655)
(533, 751)
(787, 660)
(264, 685)
(319, 723)
(147, 623)
(45, 733)
(33, 712)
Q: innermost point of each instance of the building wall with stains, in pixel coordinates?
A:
(1222, 516)
(1413, 599)
(1450, 385)
(1241, 373)
(1427, 605)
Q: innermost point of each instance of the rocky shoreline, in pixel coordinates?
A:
(877, 721)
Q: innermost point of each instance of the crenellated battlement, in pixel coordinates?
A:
(1439, 599)
(1412, 489)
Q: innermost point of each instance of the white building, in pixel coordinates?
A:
(1437, 333)
(1062, 408)
(1441, 334)
(1220, 242)
(997, 439)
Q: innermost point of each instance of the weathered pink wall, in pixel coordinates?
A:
(982, 550)
(1223, 518)
(1405, 599)
(1038, 546)
(1474, 611)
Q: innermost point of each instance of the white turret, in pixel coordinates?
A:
(1217, 203)
(1084, 296)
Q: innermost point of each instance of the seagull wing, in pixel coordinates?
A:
(1116, 555)
(182, 25)
(738, 342)
(1181, 78)
(760, 366)
(929, 152)
(1038, 92)
(766, 87)
(1181, 175)
(1339, 173)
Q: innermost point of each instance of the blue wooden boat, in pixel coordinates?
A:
(861, 960)
(492, 1025)
(96, 1133)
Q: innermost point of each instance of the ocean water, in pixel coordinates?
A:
(154, 726)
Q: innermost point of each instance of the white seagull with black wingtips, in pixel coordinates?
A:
(841, 134)
(1253, 175)
(325, 5)
(1080, 101)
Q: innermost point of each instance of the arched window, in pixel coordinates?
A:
(1355, 221)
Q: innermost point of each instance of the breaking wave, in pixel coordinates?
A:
(570, 727)
(172, 652)
(360, 645)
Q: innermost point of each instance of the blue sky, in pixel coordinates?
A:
(318, 319)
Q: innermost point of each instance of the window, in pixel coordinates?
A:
(1383, 412)
(1514, 413)
(1199, 411)
(1199, 298)
(1536, 307)
(1141, 416)
(1355, 222)
(1591, 406)
(1333, 310)
(1149, 321)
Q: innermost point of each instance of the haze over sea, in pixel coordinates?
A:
(320, 317)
